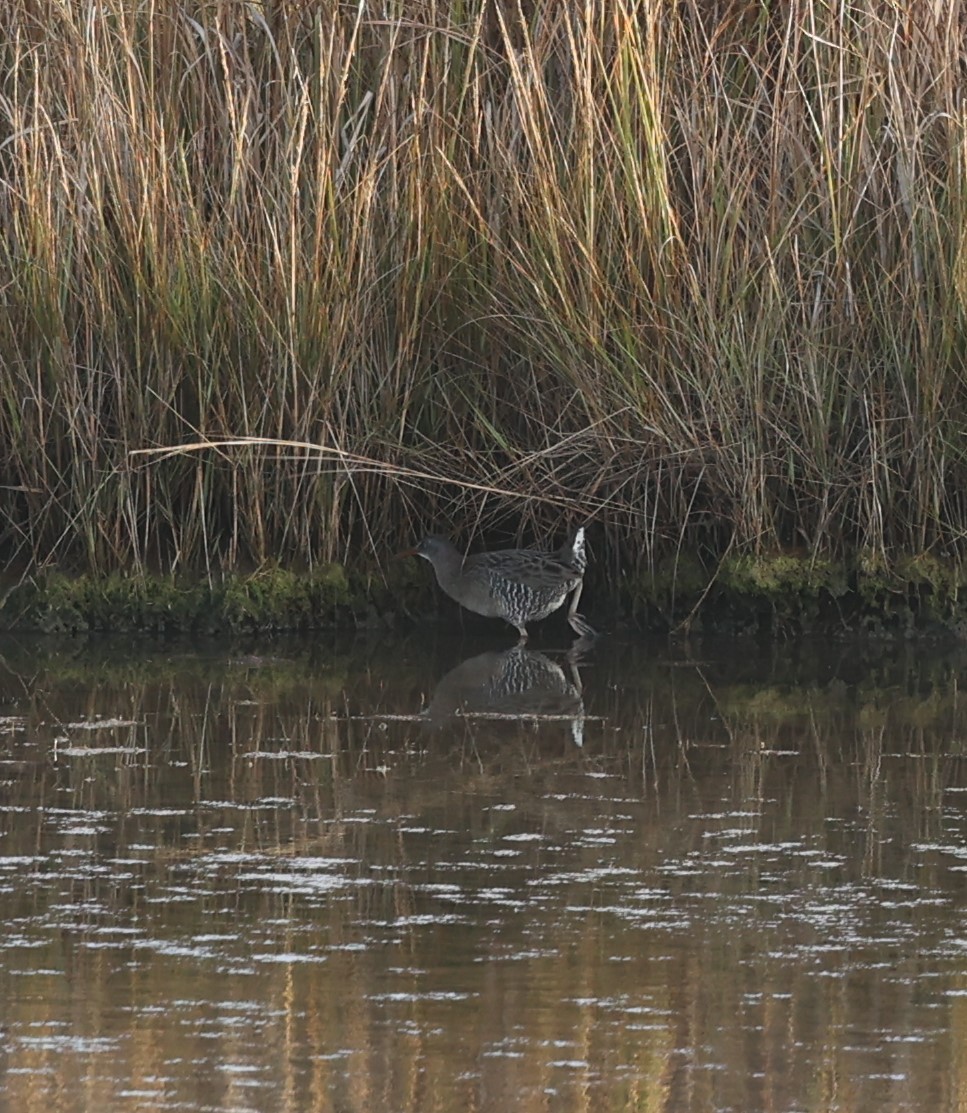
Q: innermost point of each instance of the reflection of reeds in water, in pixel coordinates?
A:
(518, 684)
(643, 907)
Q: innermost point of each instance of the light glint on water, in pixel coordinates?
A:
(230, 887)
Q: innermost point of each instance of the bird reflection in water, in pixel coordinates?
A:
(518, 684)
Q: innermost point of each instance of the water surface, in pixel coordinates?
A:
(444, 875)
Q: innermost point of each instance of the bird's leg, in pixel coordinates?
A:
(573, 656)
(577, 622)
(523, 635)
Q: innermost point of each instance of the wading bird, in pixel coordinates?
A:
(517, 585)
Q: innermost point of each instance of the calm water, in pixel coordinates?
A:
(429, 875)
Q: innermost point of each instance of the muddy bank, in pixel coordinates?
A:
(780, 594)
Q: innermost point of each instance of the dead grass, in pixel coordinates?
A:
(694, 271)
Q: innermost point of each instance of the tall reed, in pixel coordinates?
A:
(695, 270)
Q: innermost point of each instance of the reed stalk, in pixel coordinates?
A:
(695, 271)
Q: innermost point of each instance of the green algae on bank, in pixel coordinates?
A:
(269, 599)
(789, 593)
(779, 593)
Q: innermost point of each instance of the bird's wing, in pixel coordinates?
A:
(529, 567)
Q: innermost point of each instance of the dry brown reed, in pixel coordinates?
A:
(695, 270)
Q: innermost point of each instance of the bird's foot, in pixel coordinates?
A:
(580, 625)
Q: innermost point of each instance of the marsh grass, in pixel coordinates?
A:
(694, 271)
